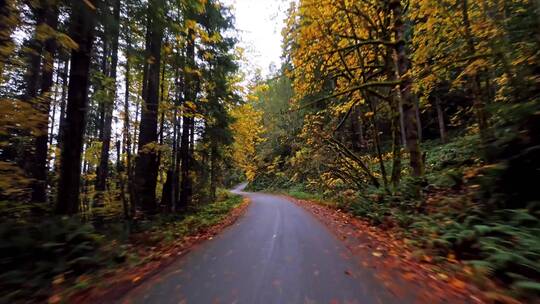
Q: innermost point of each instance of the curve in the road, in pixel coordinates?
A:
(276, 253)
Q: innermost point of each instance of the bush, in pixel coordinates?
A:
(33, 254)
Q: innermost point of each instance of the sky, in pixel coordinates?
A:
(259, 24)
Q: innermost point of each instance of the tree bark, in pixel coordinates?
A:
(103, 169)
(187, 126)
(396, 143)
(146, 169)
(440, 119)
(409, 111)
(82, 32)
(127, 136)
(39, 166)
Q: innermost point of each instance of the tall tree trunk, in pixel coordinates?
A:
(136, 124)
(63, 104)
(28, 161)
(409, 111)
(127, 135)
(55, 106)
(82, 32)
(39, 166)
(146, 169)
(396, 143)
(187, 126)
(103, 169)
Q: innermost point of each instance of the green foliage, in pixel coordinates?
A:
(453, 214)
(33, 254)
(168, 228)
(504, 245)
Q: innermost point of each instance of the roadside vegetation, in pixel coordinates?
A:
(422, 120)
(58, 257)
(115, 133)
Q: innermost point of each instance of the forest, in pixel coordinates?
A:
(123, 122)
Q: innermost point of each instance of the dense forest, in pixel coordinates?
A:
(122, 121)
(421, 117)
(112, 112)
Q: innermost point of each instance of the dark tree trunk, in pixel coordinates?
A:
(357, 139)
(409, 109)
(103, 169)
(127, 136)
(418, 118)
(396, 143)
(187, 127)
(440, 119)
(146, 169)
(55, 107)
(39, 166)
(213, 172)
(32, 77)
(82, 32)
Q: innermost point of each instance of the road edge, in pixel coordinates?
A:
(115, 287)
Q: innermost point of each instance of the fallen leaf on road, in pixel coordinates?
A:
(458, 283)
(54, 299)
(409, 276)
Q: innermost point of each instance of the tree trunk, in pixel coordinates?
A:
(127, 136)
(39, 166)
(55, 106)
(187, 127)
(213, 173)
(418, 118)
(82, 32)
(103, 169)
(409, 111)
(440, 118)
(63, 102)
(396, 143)
(146, 169)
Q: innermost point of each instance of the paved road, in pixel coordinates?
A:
(276, 253)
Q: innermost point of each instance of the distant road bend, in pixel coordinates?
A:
(276, 253)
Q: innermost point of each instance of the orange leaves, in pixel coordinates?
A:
(457, 284)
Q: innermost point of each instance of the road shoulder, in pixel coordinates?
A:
(405, 272)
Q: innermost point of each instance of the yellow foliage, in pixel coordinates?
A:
(247, 130)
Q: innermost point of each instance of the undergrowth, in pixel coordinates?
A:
(461, 212)
(37, 256)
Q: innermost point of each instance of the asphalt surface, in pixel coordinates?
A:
(276, 253)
